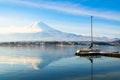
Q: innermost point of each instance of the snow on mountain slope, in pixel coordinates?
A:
(41, 31)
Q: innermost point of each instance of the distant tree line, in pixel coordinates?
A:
(39, 43)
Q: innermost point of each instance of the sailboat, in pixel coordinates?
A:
(90, 49)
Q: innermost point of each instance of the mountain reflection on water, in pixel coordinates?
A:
(56, 63)
(19, 60)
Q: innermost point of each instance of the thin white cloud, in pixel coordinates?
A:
(3, 19)
(13, 29)
(70, 8)
(10, 30)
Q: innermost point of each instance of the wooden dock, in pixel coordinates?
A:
(108, 54)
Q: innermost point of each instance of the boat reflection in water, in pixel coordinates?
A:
(91, 58)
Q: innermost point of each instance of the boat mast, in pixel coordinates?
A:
(91, 45)
(91, 30)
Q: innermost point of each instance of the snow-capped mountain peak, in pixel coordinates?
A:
(42, 26)
(35, 25)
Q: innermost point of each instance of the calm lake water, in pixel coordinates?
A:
(56, 63)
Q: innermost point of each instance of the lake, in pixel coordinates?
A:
(56, 63)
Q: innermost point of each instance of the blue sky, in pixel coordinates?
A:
(72, 16)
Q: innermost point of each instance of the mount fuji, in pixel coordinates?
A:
(42, 32)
